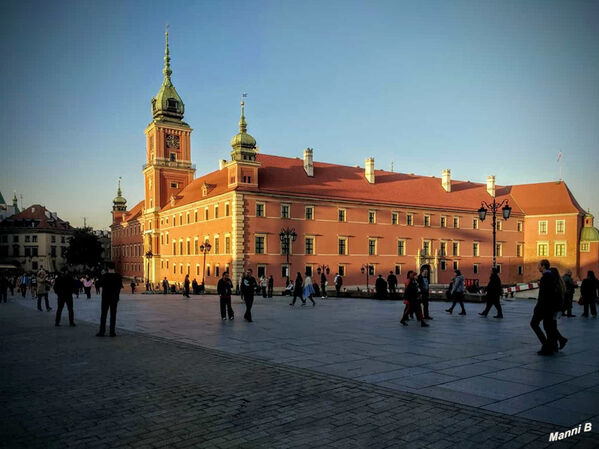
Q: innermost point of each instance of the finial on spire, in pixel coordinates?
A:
(167, 58)
(118, 190)
(242, 123)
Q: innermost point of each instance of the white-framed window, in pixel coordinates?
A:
(197, 269)
(205, 214)
(227, 209)
(426, 247)
(372, 216)
(542, 226)
(372, 247)
(308, 270)
(560, 249)
(309, 212)
(585, 247)
(499, 268)
(443, 248)
(227, 244)
(401, 247)
(285, 210)
(216, 211)
(475, 223)
(456, 222)
(342, 246)
(456, 265)
(216, 246)
(398, 269)
(475, 268)
(410, 219)
(259, 244)
(519, 249)
(499, 249)
(187, 215)
(560, 226)
(543, 249)
(499, 225)
(260, 209)
(309, 245)
(427, 220)
(455, 248)
(443, 222)
(475, 249)
(520, 226)
(341, 270)
(394, 218)
(520, 270)
(443, 265)
(341, 215)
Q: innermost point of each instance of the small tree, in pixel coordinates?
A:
(84, 249)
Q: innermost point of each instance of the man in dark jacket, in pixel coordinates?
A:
(186, 284)
(112, 283)
(569, 294)
(424, 286)
(225, 289)
(547, 305)
(493, 294)
(392, 283)
(248, 288)
(63, 287)
(380, 287)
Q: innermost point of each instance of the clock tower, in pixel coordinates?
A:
(168, 167)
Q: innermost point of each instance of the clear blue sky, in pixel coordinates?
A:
(479, 87)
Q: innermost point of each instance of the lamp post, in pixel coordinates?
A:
(493, 208)
(149, 256)
(205, 248)
(324, 268)
(365, 269)
(287, 235)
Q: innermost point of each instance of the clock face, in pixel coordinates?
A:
(172, 141)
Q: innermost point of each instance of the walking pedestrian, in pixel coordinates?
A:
(33, 286)
(225, 289)
(165, 285)
(132, 287)
(248, 288)
(544, 309)
(493, 294)
(186, 284)
(557, 309)
(588, 294)
(411, 300)
(380, 287)
(298, 290)
(323, 285)
(569, 296)
(424, 286)
(271, 284)
(87, 286)
(11, 285)
(4, 281)
(392, 283)
(195, 287)
(338, 283)
(42, 290)
(308, 291)
(457, 292)
(63, 287)
(97, 285)
(23, 284)
(112, 283)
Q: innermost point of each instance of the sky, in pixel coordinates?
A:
(479, 87)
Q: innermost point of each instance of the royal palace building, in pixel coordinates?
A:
(281, 215)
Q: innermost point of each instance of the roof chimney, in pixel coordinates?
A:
(369, 170)
(491, 185)
(308, 161)
(446, 179)
(222, 163)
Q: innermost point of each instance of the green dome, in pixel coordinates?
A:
(243, 140)
(589, 234)
(119, 203)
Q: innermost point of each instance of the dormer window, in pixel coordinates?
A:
(172, 104)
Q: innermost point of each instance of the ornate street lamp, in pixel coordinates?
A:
(493, 208)
(366, 269)
(324, 268)
(149, 256)
(204, 248)
(287, 235)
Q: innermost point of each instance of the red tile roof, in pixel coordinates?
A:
(135, 212)
(283, 175)
(39, 215)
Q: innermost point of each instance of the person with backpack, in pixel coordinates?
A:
(457, 292)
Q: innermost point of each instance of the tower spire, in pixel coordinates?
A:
(243, 126)
(167, 59)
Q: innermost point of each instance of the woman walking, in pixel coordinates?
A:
(411, 300)
(588, 294)
(298, 289)
(457, 292)
(493, 294)
(308, 290)
(87, 286)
